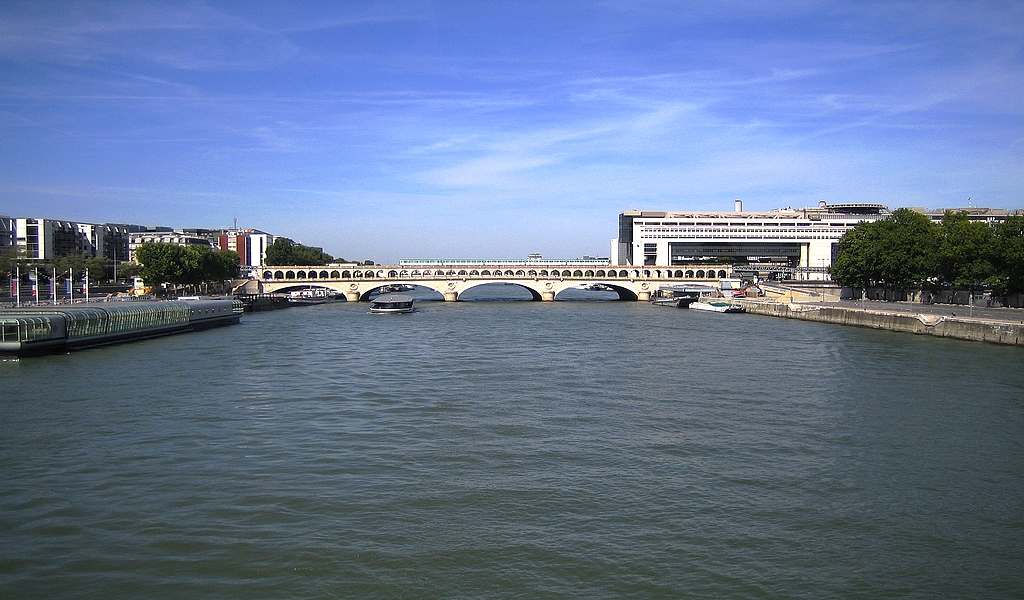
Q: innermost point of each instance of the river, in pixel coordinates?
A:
(502, 449)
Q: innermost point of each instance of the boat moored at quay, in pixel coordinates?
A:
(53, 329)
(722, 306)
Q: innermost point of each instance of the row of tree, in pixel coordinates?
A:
(99, 268)
(907, 250)
(285, 253)
(184, 265)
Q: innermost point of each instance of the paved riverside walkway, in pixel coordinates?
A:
(994, 325)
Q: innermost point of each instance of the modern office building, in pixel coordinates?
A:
(250, 244)
(793, 238)
(7, 228)
(46, 239)
(799, 242)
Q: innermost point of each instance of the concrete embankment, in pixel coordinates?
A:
(961, 328)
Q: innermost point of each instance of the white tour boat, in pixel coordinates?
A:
(392, 304)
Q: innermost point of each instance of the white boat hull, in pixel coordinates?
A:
(721, 307)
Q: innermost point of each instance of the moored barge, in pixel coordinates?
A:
(50, 329)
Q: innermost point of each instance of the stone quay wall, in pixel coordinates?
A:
(961, 328)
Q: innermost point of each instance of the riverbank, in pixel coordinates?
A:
(976, 329)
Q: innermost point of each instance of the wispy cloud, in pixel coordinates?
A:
(313, 116)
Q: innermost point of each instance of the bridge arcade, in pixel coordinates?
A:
(543, 281)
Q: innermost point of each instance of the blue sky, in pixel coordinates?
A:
(387, 130)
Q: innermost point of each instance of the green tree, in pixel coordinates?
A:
(205, 265)
(8, 260)
(909, 239)
(964, 251)
(128, 270)
(191, 265)
(897, 252)
(284, 252)
(1008, 255)
(856, 257)
(161, 263)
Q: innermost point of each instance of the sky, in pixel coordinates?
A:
(476, 129)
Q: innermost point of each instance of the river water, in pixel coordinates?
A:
(515, 450)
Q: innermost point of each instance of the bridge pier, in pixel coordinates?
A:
(451, 296)
(547, 296)
(352, 296)
(643, 296)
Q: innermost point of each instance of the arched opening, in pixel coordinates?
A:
(462, 272)
(485, 272)
(700, 273)
(532, 273)
(474, 273)
(600, 273)
(439, 273)
(566, 273)
(323, 274)
(268, 275)
(623, 273)
(588, 274)
(689, 274)
(543, 272)
(499, 292)
(647, 273)
(403, 273)
(577, 273)
(335, 275)
(289, 275)
(392, 273)
(721, 274)
(678, 274)
(623, 293)
(520, 273)
(450, 273)
(300, 275)
(509, 273)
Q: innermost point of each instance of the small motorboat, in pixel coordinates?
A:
(392, 304)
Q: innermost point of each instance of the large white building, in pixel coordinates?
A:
(802, 239)
(799, 242)
(46, 239)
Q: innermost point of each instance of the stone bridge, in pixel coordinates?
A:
(544, 280)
